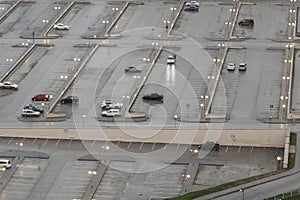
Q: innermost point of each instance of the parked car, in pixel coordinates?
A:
(34, 108)
(209, 146)
(242, 67)
(191, 8)
(132, 69)
(247, 23)
(30, 113)
(61, 26)
(9, 85)
(231, 67)
(153, 96)
(108, 104)
(171, 59)
(111, 113)
(69, 99)
(4, 163)
(192, 3)
(41, 97)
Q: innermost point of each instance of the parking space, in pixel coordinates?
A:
(210, 22)
(240, 162)
(270, 88)
(264, 27)
(24, 179)
(228, 84)
(116, 184)
(72, 180)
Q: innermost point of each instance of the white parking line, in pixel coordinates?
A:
(57, 142)
(118, 143)
(45, 142)
(239, 149)
(251, 149)
(33, 141)
(69, 143)
(10, 140)
(93, 143)
(129, 145)
(141, 145)
(153, 146)
(178, 145)
(226, 149)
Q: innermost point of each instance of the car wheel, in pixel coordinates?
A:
(62, 102)
(33, 99)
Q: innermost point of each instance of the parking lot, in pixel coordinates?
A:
(101, 69)
(69, 172)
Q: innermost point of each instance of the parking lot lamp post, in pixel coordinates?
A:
(105, 22)
(167, 22)
(279, 161)
(57, 8)
(83, 116)
(45, 21)
(175, 119)
(270, 121)
(19, 145)
(243, 191)
(173, 9)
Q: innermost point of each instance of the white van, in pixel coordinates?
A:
(5, 164)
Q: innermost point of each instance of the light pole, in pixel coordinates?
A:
(279, 161)
(45, 21)
(57, 8)
(243, 191)
(270, 118)
(175, 119)
(105, 22)
(83, 116)
(19, 145)
(173, 9)
(167, 22)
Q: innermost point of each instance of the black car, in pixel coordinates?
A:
(69, 99)
(34, 108)
(153, 96)
(209, 146)
(247, 23)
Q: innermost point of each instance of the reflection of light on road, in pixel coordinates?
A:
(170, 75)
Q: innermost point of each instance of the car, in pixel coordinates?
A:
(132, 69)
(9, 85)
(34, 108)
(40, 97)
(153, 96)
(111, 113)
(192, 3)
(247, 23)
(242, 67)
(109, 104)
(231, 67)
(69, 99)
(209, 146)
(61, 26)
(191, 8)
(171, 59)
(30, 113)
(4, 163)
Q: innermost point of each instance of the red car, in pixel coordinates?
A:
(40, 97)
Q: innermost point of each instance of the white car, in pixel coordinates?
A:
(171, 59)
(108, 104)
(111, 113)
(30, 113)
(9, 85)
(61, 26)
(243, 67)
(192, 3)
(231, 67)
